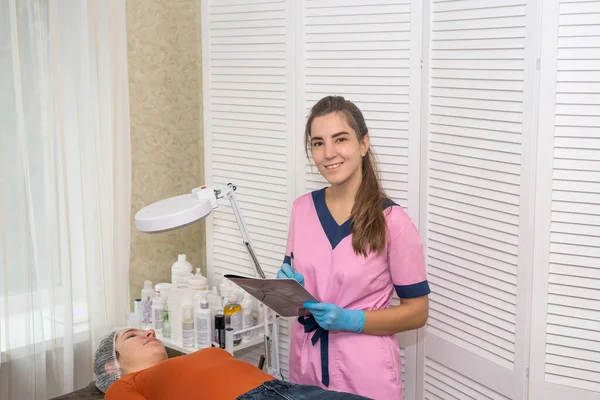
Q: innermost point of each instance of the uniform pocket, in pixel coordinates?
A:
(364, 364)
(393, 352)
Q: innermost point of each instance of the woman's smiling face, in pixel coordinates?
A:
(335, 148)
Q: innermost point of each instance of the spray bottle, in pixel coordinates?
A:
(203, 326)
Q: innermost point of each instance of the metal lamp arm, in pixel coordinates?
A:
(228, 192)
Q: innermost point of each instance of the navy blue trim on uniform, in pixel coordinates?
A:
(310, 325)
(334, 232)
(412, 291)
(287, 260)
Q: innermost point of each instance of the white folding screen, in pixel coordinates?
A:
(248, 113)
(565, 357)
(477, 196)
(492, 147)
(512, 185)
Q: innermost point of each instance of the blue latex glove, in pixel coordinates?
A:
(286, 271)
(334, 318)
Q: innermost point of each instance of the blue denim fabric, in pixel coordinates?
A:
(280, 390)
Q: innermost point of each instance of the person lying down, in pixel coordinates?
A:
(132, 364)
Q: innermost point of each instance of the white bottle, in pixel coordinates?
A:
(157, 315)
(198, 283)
(180, 267)
(214, 302)
(161, 290)
(260, 313)
(203, 326)
(247, 318)
(187, 324)
(147, 297)
(224, 292)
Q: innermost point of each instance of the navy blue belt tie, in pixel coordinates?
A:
(310, 325)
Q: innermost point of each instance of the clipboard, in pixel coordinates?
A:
(284, 296)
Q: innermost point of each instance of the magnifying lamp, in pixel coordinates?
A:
(179, 211)
(183, 210)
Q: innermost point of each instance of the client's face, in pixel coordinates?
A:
(138, 349)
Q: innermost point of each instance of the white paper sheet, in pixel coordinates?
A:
(284, 296)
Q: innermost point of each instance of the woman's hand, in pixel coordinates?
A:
(286, 271)
(333, 318)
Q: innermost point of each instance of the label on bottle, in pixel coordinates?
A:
(147, 310)
(221, 336)
(236, 324)
(187, 333)
(157, 320)
(202, 333)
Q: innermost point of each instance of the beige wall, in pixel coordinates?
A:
(165, 89)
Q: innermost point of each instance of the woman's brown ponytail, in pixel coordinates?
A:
(368, 221)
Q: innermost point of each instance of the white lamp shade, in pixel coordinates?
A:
(172, 213)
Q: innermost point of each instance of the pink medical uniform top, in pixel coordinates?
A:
(322, 252)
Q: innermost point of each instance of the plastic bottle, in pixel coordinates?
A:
(166, 320)
(137, 308)
(147, 297)
(203, 326)
(181, 267)
(187, 324)
(220, 330)
(214, 301)
(183, 278)
(247, 318)
(160, 289)
(233, 317)
(224, 292)
(198, 283)
(260, 313)
(157, 315)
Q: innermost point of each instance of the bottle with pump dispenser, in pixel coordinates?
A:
(203, 326)
(233, 317)
(187, 324)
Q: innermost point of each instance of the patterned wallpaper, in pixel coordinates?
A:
(165, 89)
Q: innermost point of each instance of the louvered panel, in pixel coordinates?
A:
(573, 320)
(442, 383)
(477, 79)
(362, 52)
(248, 120)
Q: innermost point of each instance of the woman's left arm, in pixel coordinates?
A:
(411, 314)
(406, 263)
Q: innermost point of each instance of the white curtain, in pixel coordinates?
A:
(65, 193)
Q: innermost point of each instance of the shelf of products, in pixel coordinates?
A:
(254, 341)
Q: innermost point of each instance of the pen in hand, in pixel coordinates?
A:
(288, 271)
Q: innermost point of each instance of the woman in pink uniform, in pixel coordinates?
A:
(351, 247)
